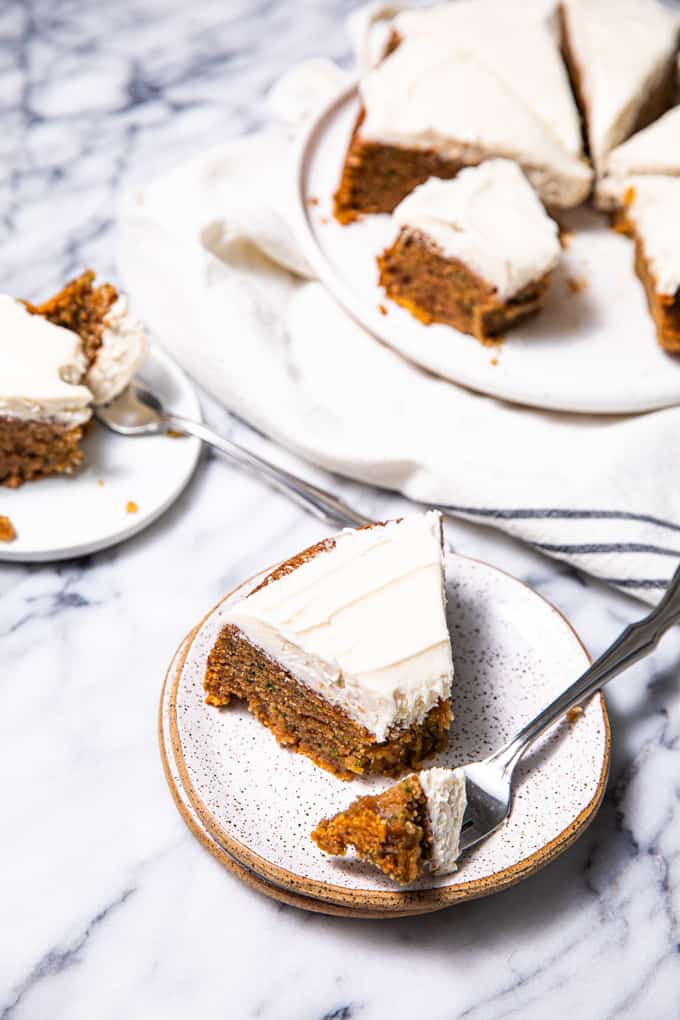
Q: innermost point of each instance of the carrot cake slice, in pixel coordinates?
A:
(56, 360)
(621, 56)
(344, 651)
(654, 150)
(475, 253)
(417, 121)
(519, 42)
(650, 215)
(411, 828)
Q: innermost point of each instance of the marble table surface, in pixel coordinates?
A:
(109, 908)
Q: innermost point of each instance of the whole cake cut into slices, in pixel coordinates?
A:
(651, 216)
(344, 650)
(475, 253)
(654, 150)
(434, 106)
(411, 828)
(56, 360)
(621, 56)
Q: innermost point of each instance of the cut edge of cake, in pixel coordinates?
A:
(650, 210)
(357, 677)
(410, 829)
(633, 97)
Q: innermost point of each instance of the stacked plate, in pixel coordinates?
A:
(253, 804)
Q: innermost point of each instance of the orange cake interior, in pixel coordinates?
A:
(343, 651)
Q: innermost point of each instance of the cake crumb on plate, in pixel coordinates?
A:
(577, 284)
(7, 530)
(131, 507)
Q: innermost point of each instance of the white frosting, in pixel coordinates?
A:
(444, 791)
(520, 43)
(363, 624)
(41, 366)
(654, 150)
(490, 218)
(655, 214)
(124, 347)
(428, 95)
(623, 49)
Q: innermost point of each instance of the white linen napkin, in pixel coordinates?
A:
(211, 262)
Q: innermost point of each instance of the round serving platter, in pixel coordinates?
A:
(592, 349)
(258, 802)
(63, 516)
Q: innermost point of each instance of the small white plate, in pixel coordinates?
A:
(590, 350)
(73, 515)
(513, 652)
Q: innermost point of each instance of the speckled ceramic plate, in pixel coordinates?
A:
(592, 348)
(513, 652)
(195, 825)
(78, 514)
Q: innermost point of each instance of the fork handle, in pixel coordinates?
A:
(634, 643)
(310, 497)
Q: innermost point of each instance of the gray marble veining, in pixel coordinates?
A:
(109, 907)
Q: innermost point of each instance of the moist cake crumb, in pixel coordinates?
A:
(7, 529)
(576, 284)
(389, 830)
(131, 507)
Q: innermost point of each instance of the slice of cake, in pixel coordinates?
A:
(411, 828)
(654, 150)
(475, 253)
(344, 651)
(430, 109)
(621, 56)
(519, 42)
(651, 216)
(56, 359)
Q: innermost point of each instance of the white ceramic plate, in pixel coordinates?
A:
(592, 350)
(513, 652)
(73, 515)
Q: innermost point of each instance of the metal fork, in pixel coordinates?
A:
(489, 783)
(139, 412)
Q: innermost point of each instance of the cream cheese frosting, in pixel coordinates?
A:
(124, 346)
(444, 791)
(41, 368)
(623, 49)
(490, 218)
(654, 150)
(429, 94)
(520, 43)
(363, 624)
(654, 212)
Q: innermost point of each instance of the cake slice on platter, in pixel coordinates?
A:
(651, 216)
(654, 150)
(475, 252)
(344, 650)
(621, 56)
(417, 121)
(412, 828)
(519, 42)
(57, 359)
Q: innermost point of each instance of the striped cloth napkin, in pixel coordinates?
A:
(211, 262)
